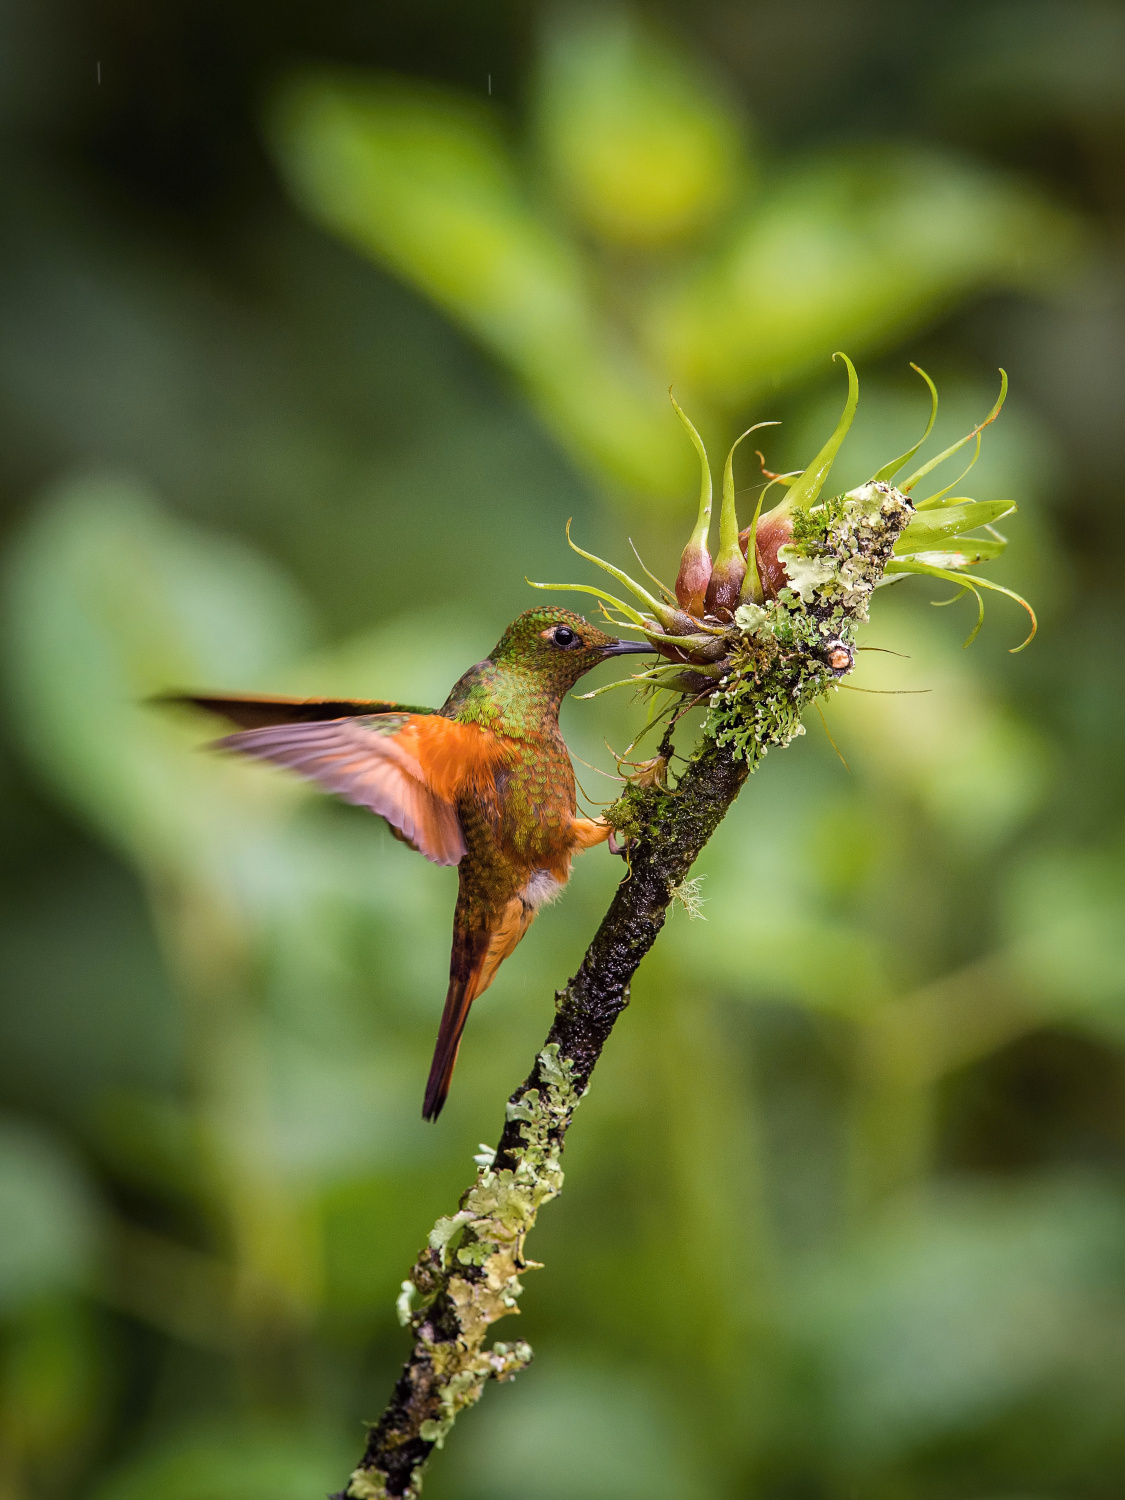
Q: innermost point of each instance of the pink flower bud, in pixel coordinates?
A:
(774, 530)
(693, 577)
(695, 563)
(725, 587)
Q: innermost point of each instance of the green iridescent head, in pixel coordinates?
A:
(558, 646)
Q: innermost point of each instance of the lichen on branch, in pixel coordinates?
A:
(467, 1278)
(795, 648)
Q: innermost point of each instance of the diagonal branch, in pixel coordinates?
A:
(468, 1274)
(780, 659)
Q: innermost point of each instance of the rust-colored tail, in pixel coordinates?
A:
(472, 968)
(457, 1005)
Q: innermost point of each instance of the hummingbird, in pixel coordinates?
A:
(484, 783)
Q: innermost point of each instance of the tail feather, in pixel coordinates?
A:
(472, 968)
(457, 1005)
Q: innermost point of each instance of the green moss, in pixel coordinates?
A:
(638, 811)
(815, 524)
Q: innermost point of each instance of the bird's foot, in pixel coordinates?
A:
(620, 849)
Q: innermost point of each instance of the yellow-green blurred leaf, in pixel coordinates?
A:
(423, 182)
(232, 1463)
(109, 602)
(640, 146)
(49, 1371)
(1064, 912)
(850, 250)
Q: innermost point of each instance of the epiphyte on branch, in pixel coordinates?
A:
(800, 576)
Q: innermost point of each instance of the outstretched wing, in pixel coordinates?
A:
(408, 768)
(255, 711)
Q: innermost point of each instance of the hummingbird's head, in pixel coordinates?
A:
(558, 647)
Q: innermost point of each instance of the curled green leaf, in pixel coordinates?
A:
(585, 588)
(915, 565)
(969, 551)
(663, 613)
(805, 489)
(752, 591)
(908, 484)
(728, 516)
(703, 518)
(655, 679)
(888, 471)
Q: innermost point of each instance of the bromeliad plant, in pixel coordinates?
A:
(765, 627)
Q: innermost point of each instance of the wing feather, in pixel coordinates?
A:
(362, 761)
(256, 710)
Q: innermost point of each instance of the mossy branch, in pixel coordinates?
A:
(780, 659)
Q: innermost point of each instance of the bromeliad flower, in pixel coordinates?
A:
(779, 604)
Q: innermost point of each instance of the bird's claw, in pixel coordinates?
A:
(622, 849)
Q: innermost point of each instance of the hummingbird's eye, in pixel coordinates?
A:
(562, 635)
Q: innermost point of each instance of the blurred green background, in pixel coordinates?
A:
(316, 325)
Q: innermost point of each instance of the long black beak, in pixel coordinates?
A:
(628, 648)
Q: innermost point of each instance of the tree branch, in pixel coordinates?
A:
(468, 1274)
(779, 659)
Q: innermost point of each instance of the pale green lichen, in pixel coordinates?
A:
(787, 651)
(807, 575)
(687, 895)
(475, 1257)
(750, 617)
(404, 1302)
(369, 1484)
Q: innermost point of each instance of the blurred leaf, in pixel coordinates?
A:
(154, 1141)
(849, 251)
(93, 1011)
(335, 1113)
(1064, 918)
(110, 601)
(231, 1463)
(641, 148)
(951, 1309)
(931, 727)
(1018, 61)
(49, 1216)
(423, 182)
(770, 935)
(49, 1372)
(600, 1434)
